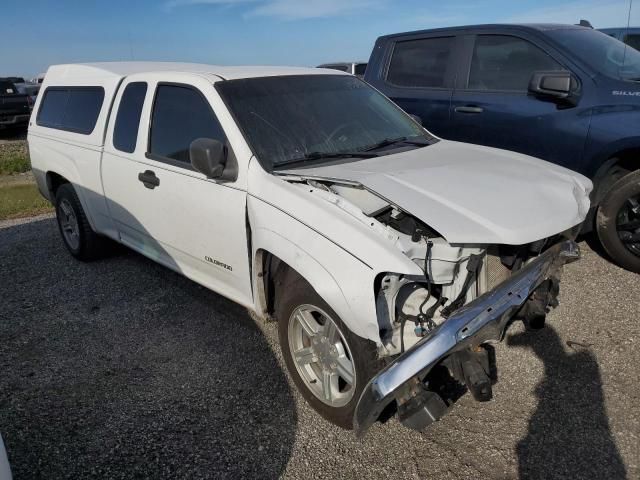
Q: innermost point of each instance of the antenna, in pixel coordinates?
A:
(624, 52)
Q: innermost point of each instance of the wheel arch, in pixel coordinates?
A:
(620, 158)
(54, 180)
(274, 256)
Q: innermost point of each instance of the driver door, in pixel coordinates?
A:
(161, 206)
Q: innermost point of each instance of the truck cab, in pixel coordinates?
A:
(565, 94)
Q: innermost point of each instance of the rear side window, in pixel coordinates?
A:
(125, 131)
(420, 63)
(502, 62)
(181, 114)
(75, 109)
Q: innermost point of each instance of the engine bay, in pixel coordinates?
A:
(410, 306)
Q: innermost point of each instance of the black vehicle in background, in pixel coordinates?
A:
(563, 93)
(15, 107)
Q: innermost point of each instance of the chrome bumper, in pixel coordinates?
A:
(482, 320)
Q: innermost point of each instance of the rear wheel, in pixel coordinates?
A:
(78, 236)
(329, 364)
(618, 222)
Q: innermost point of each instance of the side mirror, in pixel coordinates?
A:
(416, 119)
(555, 84)
(208, 156)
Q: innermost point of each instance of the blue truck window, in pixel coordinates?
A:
(503, 62)
(420, 63)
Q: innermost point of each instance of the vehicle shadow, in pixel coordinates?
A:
(569, 434)
(13, 134)
(123, 369)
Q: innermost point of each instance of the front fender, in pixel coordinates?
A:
(342, 280)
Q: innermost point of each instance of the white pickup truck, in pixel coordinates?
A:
(309, 197)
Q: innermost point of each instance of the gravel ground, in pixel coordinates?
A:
(13, 141)
(123, 369)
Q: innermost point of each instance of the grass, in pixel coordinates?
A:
(14, 158)
(19, 195)
(14, 163)
(21, 200)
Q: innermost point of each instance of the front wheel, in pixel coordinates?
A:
(329, 364)
(618, 222)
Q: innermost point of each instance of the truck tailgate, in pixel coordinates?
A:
(14, 104)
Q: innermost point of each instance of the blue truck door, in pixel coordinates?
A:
(419, 77)
(491, 105)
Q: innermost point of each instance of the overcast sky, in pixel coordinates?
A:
(39, 33)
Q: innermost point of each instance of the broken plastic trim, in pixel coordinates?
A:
(482, 320)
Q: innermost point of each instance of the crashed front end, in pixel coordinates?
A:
(457, 343)
(438, 313)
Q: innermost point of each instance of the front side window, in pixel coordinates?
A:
(125, 132)
(181, 114)
(604, 54)
(502, 62)
(75, 109)
(303, 119)
(420, 63)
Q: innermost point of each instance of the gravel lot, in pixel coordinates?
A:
(123, 369)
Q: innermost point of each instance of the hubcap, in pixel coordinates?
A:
(321, 355)
(628, 224)
(69, 224)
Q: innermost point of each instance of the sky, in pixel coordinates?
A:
(39, 33)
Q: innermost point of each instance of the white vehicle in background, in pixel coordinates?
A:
(354, 68)
(38, 79)
(308, 196)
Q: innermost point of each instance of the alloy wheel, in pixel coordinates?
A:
(69, 224)
(321, 355)
(628, 224)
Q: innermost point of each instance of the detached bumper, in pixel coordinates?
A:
(482, 320)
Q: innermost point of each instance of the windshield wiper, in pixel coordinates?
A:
(393, 141)
(312, 156)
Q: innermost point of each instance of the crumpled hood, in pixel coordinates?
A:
(470, 193)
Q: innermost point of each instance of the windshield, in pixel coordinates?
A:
(301, 119)
(602, 52)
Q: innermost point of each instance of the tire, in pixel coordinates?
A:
(76, 232)
(615, 208)
(299, 298)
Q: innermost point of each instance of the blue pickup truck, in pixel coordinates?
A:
(567, 94)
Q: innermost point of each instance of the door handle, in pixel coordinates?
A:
(469, 109)
(149, 179)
